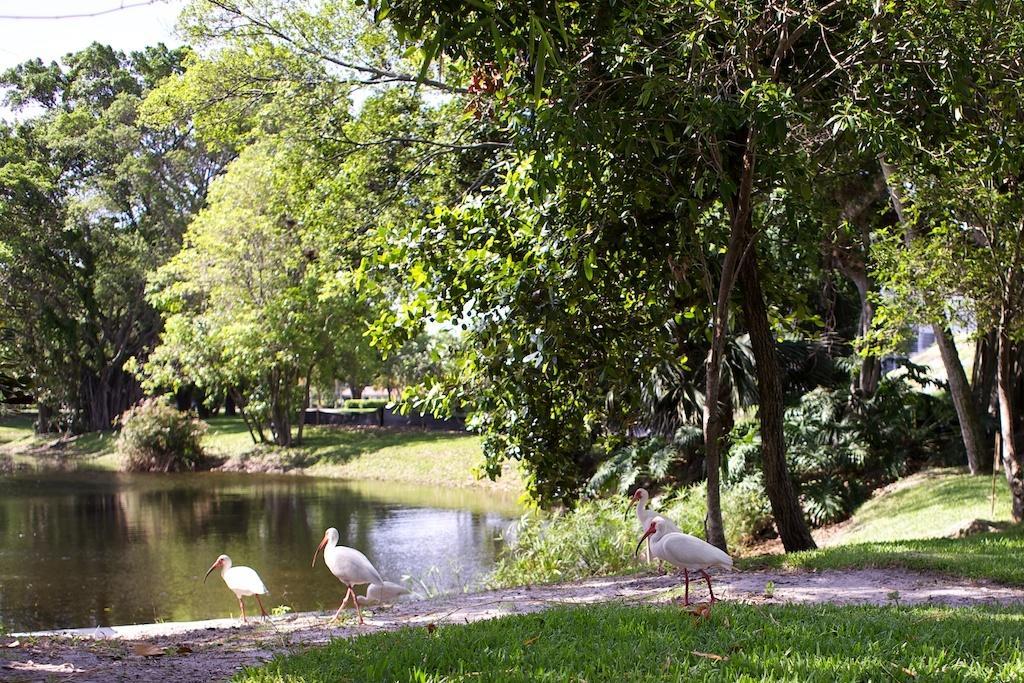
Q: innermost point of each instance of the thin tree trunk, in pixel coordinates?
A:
(740, 216)
(1012, 464)
(970, 430)
(963, 399)
(789, 517)
(305, 404)
(983, 374)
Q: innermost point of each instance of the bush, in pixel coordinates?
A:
(598, 537)
(373, 403)
(156, 437)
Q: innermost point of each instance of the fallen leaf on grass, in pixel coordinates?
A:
(147, 650)
(531, 641)
(65, 668)
(13, 643)
(702, 611)
(184, 650)
(709, 655)
(431, 627)
(910, 672)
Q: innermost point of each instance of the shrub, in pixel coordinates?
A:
(156, 437)
(598, 537)
(373, 403)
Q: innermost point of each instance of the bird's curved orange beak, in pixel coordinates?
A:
(632, 502)
(650, 530)
(212, 567)
(320, 547)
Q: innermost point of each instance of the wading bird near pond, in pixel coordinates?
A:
(241, 580)
(378, 594)
(685, 552)
(645, 515)
(349, 566)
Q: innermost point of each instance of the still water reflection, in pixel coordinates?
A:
(84, 549)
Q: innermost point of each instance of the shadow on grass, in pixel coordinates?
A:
(737, 642)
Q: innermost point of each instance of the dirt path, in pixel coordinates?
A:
(215, 650)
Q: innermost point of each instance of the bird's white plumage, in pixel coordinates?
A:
(348, 564)
(244, 581)
(645, 514)
(685, 551)
(377, 593)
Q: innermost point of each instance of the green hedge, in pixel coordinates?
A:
(373, 403)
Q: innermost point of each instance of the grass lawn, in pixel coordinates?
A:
(995, 556)
(930, 503)
(420, 457)
(904, 527)
(737, 643)
(15, 427)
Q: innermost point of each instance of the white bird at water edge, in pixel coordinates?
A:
(349, 566)
(242, 581)
(685, 552)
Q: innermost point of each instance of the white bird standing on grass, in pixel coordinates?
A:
(645, 515)
(242, 581)
(685, 552)
(349, 566)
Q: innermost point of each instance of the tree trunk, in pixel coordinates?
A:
(305, 404)
(356, 387)
(963, 399)
(1012, 464)
(789, 518)
(870, 366)
(229, 405)
(970, 429)
(740, 210)
(983, 374)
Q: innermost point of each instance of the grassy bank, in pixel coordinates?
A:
(994, 556)
(908, 525)
(738, 642)
(420, 457)
(931, 503)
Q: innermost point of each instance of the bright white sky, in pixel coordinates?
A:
(127, 29)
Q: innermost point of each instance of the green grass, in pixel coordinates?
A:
(615, 643)
(931, 503)
(906, 527)
(15, 427)
(995, 556)
(412, 456)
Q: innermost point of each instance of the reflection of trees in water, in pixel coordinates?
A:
(104, 549)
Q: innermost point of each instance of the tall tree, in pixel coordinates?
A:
(91, 199)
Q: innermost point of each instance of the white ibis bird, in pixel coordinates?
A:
(241, 580)
(349, 565)
(685, 552)
(381, 594)
(640, 499)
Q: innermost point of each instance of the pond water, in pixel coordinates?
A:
(82, 549)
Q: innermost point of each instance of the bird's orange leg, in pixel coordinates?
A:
(359, 612)
(343, 601)
(708, 579)
(262, 611)
(241, 606)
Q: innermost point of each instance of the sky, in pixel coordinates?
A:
(130, 28)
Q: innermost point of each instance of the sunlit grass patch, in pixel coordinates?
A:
(928, 504)
(737, 643)
(995, 556)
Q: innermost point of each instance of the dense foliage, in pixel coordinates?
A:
(91, 198)
(156, 437)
